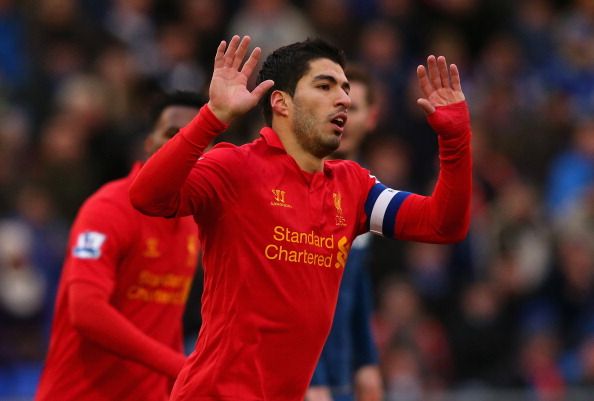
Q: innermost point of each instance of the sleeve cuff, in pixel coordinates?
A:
(203, 129)
(450, 121)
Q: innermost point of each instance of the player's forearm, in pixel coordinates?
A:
(98, 321)
(443, 217)
(156, 189)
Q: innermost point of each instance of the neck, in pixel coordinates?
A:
(304, 159)
(344, 156)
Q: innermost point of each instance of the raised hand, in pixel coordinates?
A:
(440, 85)
(228, 92)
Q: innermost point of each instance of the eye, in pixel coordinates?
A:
(324, 87)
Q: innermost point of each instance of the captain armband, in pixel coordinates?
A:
(381, 208)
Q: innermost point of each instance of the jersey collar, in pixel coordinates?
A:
(271, 138)
(274, 141)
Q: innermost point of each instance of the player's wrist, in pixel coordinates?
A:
(452, 120)
(223, 116)
(203, 129)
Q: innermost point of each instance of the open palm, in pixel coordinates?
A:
(440, 85)
(228, 92)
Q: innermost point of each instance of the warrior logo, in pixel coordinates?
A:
(279, 198)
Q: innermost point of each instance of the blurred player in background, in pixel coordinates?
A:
(117, 331)
(348, 367)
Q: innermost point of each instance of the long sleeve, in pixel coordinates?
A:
(98, 321)
(157, 189)
(445, 215)
(102, 234)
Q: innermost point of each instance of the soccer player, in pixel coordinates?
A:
(277, 220)
(348, 367)
(117, 332)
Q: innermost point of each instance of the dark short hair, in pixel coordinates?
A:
(288, 64)
(356, 73)
(178, 98)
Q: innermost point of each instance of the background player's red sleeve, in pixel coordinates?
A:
(157, 187)
(444, 216)
(90, 277)
(93, 316)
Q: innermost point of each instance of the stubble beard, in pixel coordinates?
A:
(310, 139)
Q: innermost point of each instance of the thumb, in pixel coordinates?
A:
(426, 105)
(262, 88)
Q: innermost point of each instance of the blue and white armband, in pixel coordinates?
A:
(381, 207)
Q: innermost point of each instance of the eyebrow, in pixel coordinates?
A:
(324, 77)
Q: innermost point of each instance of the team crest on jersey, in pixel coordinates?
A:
(88, 245)
(340, 220)
(279, 198)
(151, 249)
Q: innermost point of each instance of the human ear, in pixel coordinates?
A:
(279, 102)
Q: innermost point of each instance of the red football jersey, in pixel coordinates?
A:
(275, 242)
(147, 265)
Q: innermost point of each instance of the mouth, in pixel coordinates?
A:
(339, 121)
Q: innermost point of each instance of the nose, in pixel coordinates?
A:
(343, 99)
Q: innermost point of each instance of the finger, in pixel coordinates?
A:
(252, 62)
(444, 75)
(433, 72)
(241, 51)
(218, 61)
(426, 105)
(424, 83)
(231, 50)
(455, 74)
(262, 88)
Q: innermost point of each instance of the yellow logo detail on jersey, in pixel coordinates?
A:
(319, 252)
(343, 252)
(152, 248)
(285, 234)
(192, 248)
(279, 198)
(340, 220)
(160, 288)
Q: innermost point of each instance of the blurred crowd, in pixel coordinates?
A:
(512, 307)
